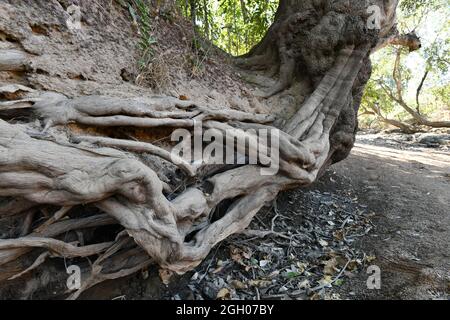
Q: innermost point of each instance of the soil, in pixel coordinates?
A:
(409, 192)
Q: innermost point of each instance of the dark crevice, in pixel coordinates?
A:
(8, 37)
(42, 72)
(39, 30)
(223, 208)
(79, 77)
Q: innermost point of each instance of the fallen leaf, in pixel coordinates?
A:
(224, 294)
(291, 274)
(339, 235)
(339, 282)
(323, 243)
(217, 270)
(238, 284)
(263, 263)
(238, 255)
(352, 265)
(274, 274)
(304, 284)
(283, 289)
(330, 266)
(165, 275)
(325, 281)
(260, 283)
(302, 266)
(315, 296)
(195, 276)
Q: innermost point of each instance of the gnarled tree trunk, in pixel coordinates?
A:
(72, 160)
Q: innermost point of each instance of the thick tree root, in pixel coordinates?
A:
(112, 112)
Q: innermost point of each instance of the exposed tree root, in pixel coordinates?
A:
(140, 147)
(120, 260)
(60, 247)
(39, 261)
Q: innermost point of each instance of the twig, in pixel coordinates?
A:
(334, 280)
(40, 260)
(57, 216)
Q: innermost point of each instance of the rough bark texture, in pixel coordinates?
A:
(72, 83)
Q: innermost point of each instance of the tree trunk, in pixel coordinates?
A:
(71, 159)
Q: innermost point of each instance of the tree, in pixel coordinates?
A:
(398, 87)
(398, 97)
(71, 160)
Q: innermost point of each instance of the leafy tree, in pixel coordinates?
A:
(415, 85)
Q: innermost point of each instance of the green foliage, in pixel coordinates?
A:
(142, 18)
(442, 95)
(438, 53)
(233, 25)
(413, 7)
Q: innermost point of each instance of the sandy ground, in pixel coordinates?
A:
(409, 192)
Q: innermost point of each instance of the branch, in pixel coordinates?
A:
(408, 40)
(404, 127)
(60, 247)
(397, 76)
(418, 117)
(419, 89)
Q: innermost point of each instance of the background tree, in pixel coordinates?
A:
(407, 88)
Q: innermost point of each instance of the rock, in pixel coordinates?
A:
(434, 140)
